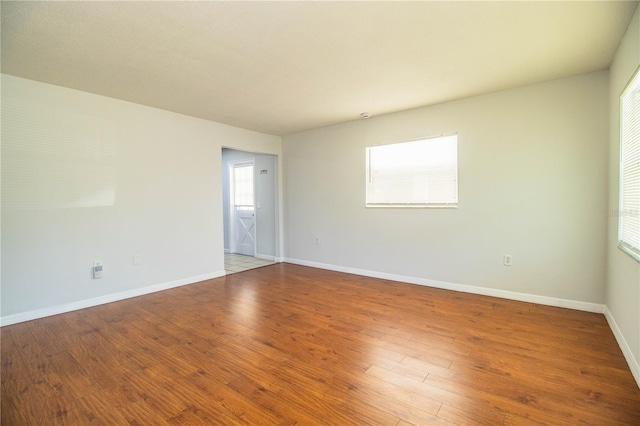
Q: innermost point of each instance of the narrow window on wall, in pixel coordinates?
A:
(422, 173)
(629, 213)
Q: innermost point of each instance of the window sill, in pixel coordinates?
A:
(628, 250)
(411, 206)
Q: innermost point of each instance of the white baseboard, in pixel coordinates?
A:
(504, 294)
(265, 257)
(634, 366)
(101, 300)
(268, 257)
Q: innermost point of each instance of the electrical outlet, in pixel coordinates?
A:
(97, 269)
(137, 259)
(508, 261)
(317, 240)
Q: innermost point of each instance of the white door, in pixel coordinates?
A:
(245, 231)
(242, 209)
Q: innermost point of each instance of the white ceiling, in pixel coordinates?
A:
(286, 67)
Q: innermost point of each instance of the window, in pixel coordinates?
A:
(243, 185)
(629, 213)
(422, 173)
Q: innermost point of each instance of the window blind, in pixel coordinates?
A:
(422, 173)
(629, 213)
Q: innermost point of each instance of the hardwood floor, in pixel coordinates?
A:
(287, 344)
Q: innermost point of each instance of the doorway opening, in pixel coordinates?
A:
(249, 209)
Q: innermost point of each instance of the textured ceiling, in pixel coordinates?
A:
(286, 67)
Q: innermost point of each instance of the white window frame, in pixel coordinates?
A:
(629, 208)
(432, 185)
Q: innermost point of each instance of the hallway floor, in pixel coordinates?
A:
(237, 263)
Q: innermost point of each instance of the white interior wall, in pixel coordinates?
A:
(532, 183)
(112, 180)
(623, 272)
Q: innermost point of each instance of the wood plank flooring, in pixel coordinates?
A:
(287, 344)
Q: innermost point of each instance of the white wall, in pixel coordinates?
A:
(532, 179)
(88, 178)
(266, 197)
(623, 272)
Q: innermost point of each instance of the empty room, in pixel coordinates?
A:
(320, 213)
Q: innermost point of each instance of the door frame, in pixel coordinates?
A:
(232, 206)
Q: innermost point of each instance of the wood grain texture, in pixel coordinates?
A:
(287, 344)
